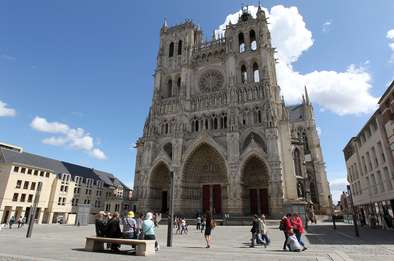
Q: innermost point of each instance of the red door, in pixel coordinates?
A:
(264, 201)
(206, 196)
(253, 201)
(217, 199)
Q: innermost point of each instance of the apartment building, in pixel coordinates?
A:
(65, 188)
(370, 164)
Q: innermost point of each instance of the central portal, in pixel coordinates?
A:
(204, 184)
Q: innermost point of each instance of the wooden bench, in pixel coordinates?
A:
(142, 247)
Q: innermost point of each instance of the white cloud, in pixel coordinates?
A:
(326, 26)
(75, 138)
(337, 186)
(7, 57)
(318, 129)
(344, 92)
(5, 111)
(390, 36)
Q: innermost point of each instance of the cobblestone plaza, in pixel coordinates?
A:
(62, 242)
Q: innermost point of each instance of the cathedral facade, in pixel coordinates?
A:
(219, 125)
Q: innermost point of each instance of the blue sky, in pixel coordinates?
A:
(89, 65)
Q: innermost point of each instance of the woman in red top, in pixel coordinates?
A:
(298, 228)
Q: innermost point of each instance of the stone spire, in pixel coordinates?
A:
(306, 96)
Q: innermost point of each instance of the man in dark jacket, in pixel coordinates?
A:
(100, 224)
(255, 229)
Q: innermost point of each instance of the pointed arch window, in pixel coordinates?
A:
(180, 47)
(252, 37)
(171, 50)
(169, 88)
(241, 41)
(178, 85)
(244, 74)
(256, 73)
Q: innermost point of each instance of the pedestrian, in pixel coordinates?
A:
(148, 228)
(285, 226)
(254, 230)
(12, 221)
(113, 230)
(298, 229)
(264, 231)
(130, 226)
(19, 222)
(202, 224)
(139, 223)
(178, 225)
(209, 225)
(198, 222)
(183, 226)
(292, 242)
(100, 224)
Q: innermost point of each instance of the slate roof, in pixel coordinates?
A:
(56, 166)
(296, 112)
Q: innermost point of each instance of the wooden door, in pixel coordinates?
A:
(217, 199)
(253, 201)
(206, 198)
(264, 201)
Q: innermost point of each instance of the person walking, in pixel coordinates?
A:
(130, 226)
(254, 230)
(298, 228)
(285, 226)
(198, 222)
(202, 224)
(264, 231)
(12, 221)
(183, 226)
(148, 228)
(209, 225)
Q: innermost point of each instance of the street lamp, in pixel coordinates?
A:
(171, 210)
(33, 210)
(353, 211)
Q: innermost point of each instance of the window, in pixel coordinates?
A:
(388, 179)
(171, 50)
(169, 88)
(23, 170)
(15, 197)
(59, 201)
(41, 173)
(241, 41)
(374, 187)
(63, 201)
(375, 157)
(16, 169)
(178, 84)
(380, 181)
(23, 197)
(380, 150)
(30, 198)
(180, 47)
(29, 171)
(365, 165)
(33, 186)
(244, 74)
(253, 43)
(36, 173)
(65, 188)
(108, 207)
(369, 161)
(19, 184)
(26, 185)
(256, 74)
(47, 174)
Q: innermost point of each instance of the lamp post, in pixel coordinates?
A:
(171, 211)
(33, 210)
(353, 212)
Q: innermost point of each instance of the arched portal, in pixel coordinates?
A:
(254, 182)
(159, 184)
(204, 186)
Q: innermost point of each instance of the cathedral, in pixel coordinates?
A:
(220, 126)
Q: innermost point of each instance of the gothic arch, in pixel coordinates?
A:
(204, 139)
(204, 181)
(255, 137)
(255, 180)
(159, 184)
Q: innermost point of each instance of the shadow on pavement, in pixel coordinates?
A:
(121, 252)
(345, 235)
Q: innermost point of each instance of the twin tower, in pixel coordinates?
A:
(218, 122)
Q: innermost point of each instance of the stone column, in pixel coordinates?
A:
(40, 216)
(50, 218)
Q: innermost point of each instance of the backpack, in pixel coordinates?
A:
(282, 225)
